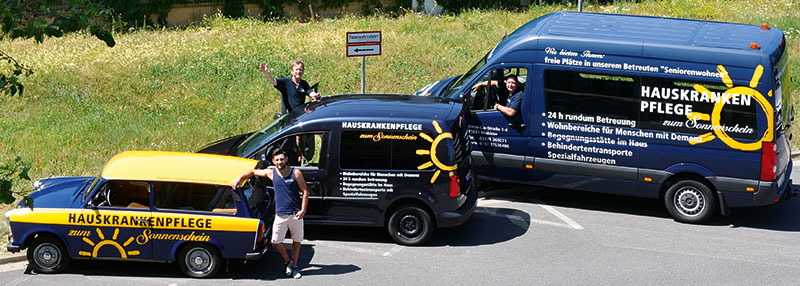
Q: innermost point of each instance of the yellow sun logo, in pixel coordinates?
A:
(113, 242)
(432, 152)
(716, 113)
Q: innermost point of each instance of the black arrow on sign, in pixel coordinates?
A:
(362, 50)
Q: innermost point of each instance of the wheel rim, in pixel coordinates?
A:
(198, 261)
(689, 201)
(47, 256)
(411, 225)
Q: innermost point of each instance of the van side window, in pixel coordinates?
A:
(666, 102)
(194, 197)
(581, 97)
(123, 194)
(498, 92)
(379, 150)
(302, 150)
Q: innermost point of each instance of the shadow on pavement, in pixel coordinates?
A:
(486, 226)
(270, 267)
(781, 216)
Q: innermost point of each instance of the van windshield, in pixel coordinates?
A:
(464, 79)
(254, 141)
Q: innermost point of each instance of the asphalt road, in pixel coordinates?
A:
(519, 235)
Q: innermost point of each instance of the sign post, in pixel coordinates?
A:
(363, 44)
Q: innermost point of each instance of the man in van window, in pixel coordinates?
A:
(514, 102)
(293, 89)
(291, 202)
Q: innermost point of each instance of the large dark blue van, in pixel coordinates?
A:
(400, 162)
(691, 112)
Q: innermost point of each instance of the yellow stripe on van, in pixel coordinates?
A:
(176, 167)
(703, 138)
(156, 220)
(756, 76)
(698, 116)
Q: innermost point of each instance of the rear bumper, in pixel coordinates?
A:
(771, 192)
(462, 214)
(257, 254)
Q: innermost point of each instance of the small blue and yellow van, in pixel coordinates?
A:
(145, 205)
(692, 112)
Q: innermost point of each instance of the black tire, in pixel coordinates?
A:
(410, 225)
(690, 201)
(198, 260)
(47, 255)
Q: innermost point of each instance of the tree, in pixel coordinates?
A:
(47, 18)
(10, 174)
(39, 19)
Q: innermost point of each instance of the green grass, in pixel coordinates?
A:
(180, 89)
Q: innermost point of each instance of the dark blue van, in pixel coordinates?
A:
(691, 112)
(400, 162)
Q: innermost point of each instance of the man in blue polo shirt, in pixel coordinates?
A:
(291, 202)
(514, 102)
(293, 89)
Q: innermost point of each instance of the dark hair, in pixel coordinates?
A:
(510, 76)
(275, 152)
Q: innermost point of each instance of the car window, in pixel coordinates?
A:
(378, 150)
(302, 150)
(123, 194)
(194, 197)
(497, 90)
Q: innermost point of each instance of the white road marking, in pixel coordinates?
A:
(394, 250)
(519, 218)
(558, 214)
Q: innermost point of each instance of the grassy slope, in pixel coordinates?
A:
(179, 89)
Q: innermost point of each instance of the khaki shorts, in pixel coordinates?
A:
(284, 222)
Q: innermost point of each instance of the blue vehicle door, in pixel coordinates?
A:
(114, 221)
(499, 115)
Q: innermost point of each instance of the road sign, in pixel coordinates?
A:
(363, 50)
(360, 44)
(354, 38)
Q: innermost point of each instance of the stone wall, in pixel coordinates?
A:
(185, 14)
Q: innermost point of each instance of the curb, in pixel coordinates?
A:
(5, 259)
(795, 155)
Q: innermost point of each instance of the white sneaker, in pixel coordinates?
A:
(289, 268)
(296, 273)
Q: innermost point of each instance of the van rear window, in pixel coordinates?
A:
(379, 150)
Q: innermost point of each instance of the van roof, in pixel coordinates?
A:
(373, 107)
(645, 36)
(176, 167)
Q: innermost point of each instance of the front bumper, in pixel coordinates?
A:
(11, 247)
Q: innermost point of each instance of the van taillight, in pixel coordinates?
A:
(769, 161)
(455, 186)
